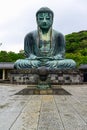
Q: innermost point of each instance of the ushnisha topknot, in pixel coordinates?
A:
(45, 9)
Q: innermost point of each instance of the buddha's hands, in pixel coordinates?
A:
(58, 57)
(32, 57)
(40, 58)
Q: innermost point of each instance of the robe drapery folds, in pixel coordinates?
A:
(31, 42)
(34, 57)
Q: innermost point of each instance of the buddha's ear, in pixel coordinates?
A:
(39, 30)
(37, 20)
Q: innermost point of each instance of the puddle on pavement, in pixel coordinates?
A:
(4, 105)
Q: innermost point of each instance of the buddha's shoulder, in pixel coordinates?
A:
(31, 34)
(57, 33)
(35, 33)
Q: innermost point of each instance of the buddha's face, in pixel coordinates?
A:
(44, 20)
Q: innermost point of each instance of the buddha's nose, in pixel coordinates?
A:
(44, 22)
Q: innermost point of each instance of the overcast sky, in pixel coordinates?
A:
(17, 18)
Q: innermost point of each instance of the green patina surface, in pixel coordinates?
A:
(45, 46)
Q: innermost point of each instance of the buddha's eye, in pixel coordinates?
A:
(48, 18)
(41, 18)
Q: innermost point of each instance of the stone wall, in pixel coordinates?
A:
(55, 76)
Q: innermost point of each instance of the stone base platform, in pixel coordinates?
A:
(31, 76)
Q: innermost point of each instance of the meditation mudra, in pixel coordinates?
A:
(45, 46)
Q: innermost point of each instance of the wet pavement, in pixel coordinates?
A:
(43, 112)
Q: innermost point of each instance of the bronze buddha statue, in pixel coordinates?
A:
(44, 46)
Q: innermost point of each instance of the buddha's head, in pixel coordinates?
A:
(44, 17)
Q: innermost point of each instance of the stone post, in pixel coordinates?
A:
(3, 74)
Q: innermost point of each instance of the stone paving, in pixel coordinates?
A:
(43, 112)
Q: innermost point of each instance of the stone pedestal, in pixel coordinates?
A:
(31, 76)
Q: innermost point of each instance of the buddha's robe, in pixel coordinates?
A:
(44, 53)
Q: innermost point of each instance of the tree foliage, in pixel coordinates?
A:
(76, 47)
(10, 56)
